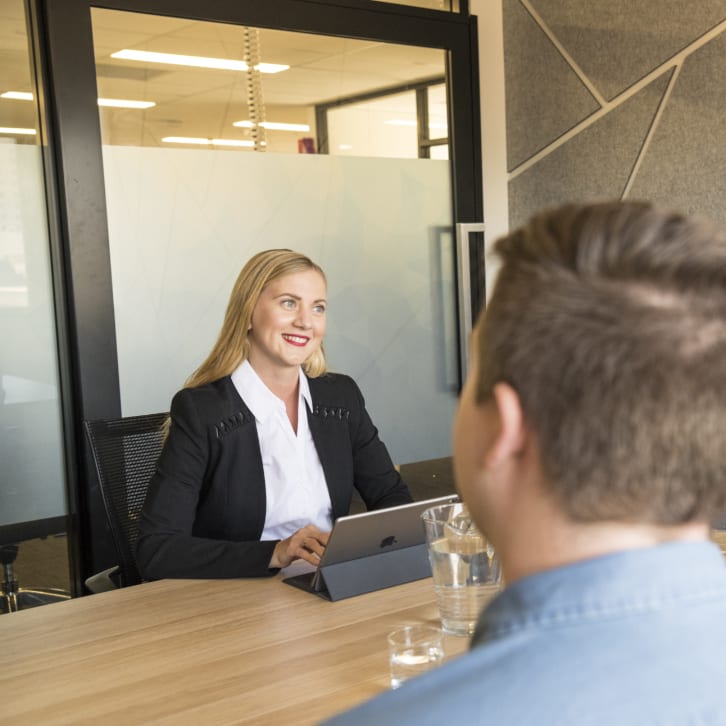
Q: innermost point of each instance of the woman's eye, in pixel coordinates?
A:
(288, 304)
(319, 309)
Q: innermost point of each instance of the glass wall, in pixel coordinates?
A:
(392, 123)
(32, 484)
(189, 201)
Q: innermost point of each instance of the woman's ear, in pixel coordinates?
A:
(511, 432)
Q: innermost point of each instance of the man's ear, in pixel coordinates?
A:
(511, 432)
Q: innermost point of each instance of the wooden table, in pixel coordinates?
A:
(203, 652)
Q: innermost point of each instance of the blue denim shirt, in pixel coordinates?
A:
(637, 637)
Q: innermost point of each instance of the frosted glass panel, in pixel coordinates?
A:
(182, 223)
(32, 481)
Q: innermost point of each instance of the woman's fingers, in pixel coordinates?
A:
(315, 542)
(306, 544)
(311, 545)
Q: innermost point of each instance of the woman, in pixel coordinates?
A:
(264, 446)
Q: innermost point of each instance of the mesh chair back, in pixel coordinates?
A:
(125, 452)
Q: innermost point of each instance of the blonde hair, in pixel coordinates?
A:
(233, 346)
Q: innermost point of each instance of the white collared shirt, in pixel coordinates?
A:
(294, 480)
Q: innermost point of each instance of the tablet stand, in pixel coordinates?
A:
(366, 574)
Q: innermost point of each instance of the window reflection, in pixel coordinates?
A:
(187, 84)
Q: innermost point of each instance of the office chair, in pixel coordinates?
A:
(12, 596)
(125, 452)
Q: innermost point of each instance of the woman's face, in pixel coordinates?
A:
(288, 322)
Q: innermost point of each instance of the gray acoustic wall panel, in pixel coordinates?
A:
(543, 86)
(561, 55)
(685, 166)
(618, 42)
(594, 164)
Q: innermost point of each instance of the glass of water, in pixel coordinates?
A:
(718, 535)
(414, 649)
(464, 566)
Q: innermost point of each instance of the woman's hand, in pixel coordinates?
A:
(306, 544)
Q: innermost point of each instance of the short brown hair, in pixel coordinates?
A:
(609, 320)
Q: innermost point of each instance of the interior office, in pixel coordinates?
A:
(569, 101)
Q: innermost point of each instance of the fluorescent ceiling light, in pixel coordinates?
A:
(115, 102)
(17, 95)
(208, 142)
(9, 130)
(122, 103)
(186, 140)
(273, 125)
(195, 60)
(345, 147)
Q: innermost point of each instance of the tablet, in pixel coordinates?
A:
(371, 535)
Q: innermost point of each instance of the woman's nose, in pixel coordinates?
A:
(303, 319)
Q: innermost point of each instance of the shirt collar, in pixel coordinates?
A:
(258, 397)
(605, 586)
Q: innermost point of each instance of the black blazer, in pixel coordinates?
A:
(205, 508)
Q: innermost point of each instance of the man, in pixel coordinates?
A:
(589, 447)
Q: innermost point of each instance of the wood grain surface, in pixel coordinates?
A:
(203, 652)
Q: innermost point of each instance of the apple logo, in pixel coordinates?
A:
(388, 541)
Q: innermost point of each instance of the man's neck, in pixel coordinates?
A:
(543, 547)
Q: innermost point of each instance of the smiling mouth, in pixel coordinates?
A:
(299, 340)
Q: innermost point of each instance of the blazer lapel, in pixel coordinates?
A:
(331, 439)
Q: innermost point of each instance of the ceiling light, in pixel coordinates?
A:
(208, 142)
(115, 102)
(271, 67)
(17, 95)
(121, 103)
(9, 130)
(233, 142)
(273, 125)
(186, 140)
(284, 127)
(195, 61)
(345, 147)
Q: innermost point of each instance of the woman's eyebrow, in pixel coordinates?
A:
(297, 297)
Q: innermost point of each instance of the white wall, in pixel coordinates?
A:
(493, 124)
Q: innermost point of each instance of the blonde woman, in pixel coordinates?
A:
(264, 446)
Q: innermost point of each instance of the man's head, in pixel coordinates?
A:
(606, 334)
